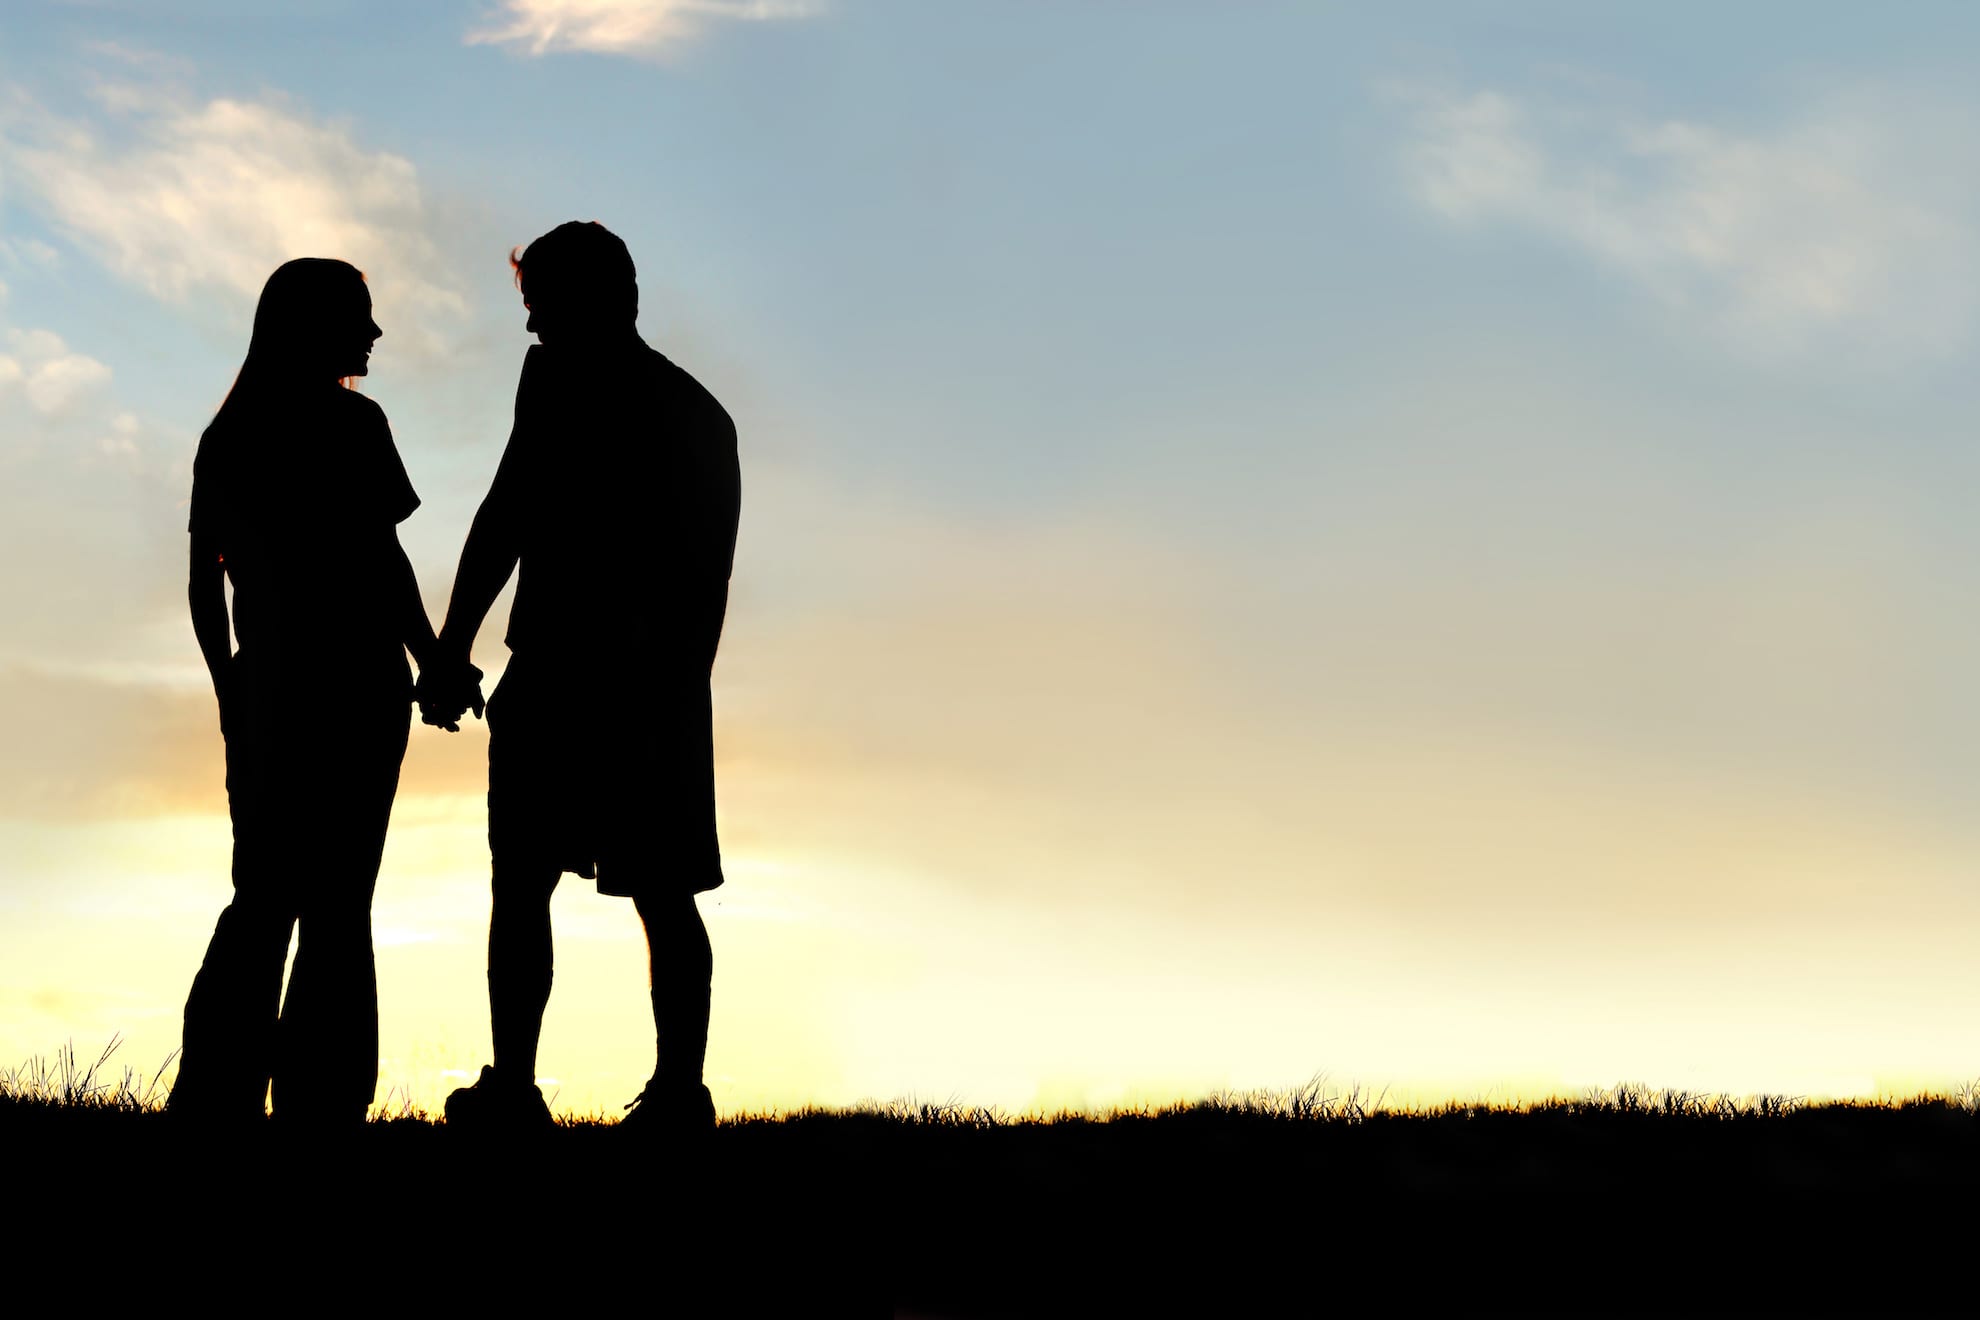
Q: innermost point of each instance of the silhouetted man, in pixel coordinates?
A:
(618, 496)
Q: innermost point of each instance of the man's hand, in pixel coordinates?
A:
(446, 692)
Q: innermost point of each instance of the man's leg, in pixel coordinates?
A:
(519, 966)
(505, 1097)
(680, 967)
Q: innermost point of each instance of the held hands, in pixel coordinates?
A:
(446, 692)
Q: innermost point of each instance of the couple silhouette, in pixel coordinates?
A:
(616, 502)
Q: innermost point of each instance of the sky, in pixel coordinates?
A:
(1426, 545)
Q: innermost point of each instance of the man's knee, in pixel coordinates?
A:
(671, 915)
(676, 936)
(521, 885)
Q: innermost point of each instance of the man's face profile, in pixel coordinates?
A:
(551, 316)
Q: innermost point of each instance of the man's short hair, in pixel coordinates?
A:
(586, 265)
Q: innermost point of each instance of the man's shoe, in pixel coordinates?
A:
(671, 1109)
(494, 1103)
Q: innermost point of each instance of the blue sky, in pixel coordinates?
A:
(1242, 506)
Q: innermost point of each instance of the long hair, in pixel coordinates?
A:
(285, 350)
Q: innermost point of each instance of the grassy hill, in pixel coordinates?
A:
(1304, 1201)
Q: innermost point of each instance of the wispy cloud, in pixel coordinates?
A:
(94, 750)
(56, 402)
(50, 377)
(185, 196)
(1833, 226)
(621, 27)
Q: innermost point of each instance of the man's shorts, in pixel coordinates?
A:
(608, 776)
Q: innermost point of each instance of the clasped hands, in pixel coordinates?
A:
(447, 690)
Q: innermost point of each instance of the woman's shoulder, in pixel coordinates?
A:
(213, 443)
(359, 406)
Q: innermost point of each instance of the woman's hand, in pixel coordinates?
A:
(223, 693)
(447, 692)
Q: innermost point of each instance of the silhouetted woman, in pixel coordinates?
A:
(297, 493)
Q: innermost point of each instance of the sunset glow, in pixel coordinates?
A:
(1432, 548)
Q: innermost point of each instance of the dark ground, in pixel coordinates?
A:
(1212, 1210)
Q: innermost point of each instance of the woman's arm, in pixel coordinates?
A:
(445, 692)
(415, 627)
(206, 594)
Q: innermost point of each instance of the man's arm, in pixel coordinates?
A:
(449, 684)
(494, 542)
(206, 594)
(444, 712)
(487, 560)
(725, 507)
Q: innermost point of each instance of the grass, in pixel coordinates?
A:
(64, 1081)
(1627, 1198)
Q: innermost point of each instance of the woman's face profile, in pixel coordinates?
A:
(351, 340)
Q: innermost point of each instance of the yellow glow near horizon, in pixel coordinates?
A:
(1344, 541)
(840, 979)
(995, 850)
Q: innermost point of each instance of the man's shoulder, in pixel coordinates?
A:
(684, 391)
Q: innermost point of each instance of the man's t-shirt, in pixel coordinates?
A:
(621, 489)
(300, 502)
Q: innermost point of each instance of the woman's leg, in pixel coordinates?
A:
(327, 1060)
(228, 1048)
(326, 1066)
(230, 1025)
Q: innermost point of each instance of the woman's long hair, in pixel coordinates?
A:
(299, 310)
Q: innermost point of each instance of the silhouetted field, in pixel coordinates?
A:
(1305, 1201)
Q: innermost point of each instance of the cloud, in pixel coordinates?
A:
(620, 27)
(49, 377)
(92, 515)
(182, 197)
(91, 749)
(60, 418)
(1832, 227)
